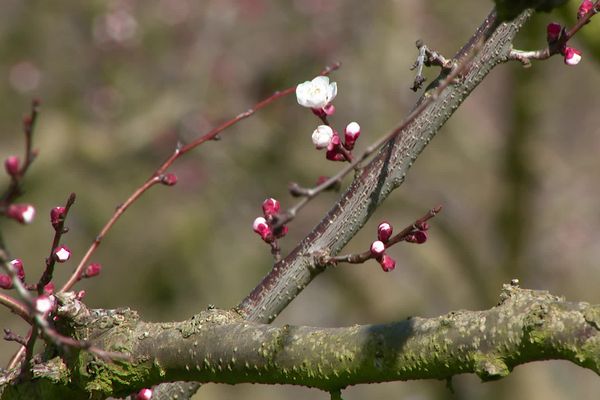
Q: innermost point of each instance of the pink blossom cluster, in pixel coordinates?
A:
(264, 225)
(555, 31)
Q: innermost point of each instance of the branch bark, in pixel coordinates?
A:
(219, 346)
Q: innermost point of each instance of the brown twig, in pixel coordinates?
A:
(14, 189)
(310, 193)
(157, 176)
(556, 47)
(360, 258)
(59, 230)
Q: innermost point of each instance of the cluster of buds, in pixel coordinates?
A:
(264, 225)
(318, 95)
(384, 233)
(22, 213)
(324, 137)
(555, 31)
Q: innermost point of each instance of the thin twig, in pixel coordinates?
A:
(59, 230)
(156, 177)
(309, 194)
(360, 258)
(14, 189)
(556, 47)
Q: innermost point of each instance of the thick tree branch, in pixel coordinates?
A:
(218, 346)
(382, 175)
(371, 187)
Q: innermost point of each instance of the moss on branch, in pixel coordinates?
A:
(219, 346)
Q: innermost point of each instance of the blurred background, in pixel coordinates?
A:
(121, 81)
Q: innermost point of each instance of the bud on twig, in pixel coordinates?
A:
(12, 166)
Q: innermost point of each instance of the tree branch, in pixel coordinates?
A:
(218, 346)
(380, 177)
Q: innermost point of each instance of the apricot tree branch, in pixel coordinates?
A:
(382, 175)
(218, 346)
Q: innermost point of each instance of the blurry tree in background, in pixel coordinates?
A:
(122, 81)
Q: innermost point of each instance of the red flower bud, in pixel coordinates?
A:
(572, 56)
(553, 32)
(384, 231)
(17, 265)
(23, 213)
(12, 166)
(270, 207)
(351, 134)
(377, 248)
(585, 7)
(61, 254)
(57, 215)
(169, 179)
(261, 227)
(387, 263)
(5, 282)
(418, 237)
(92, 270)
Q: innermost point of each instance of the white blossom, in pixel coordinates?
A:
(322, 136)
(316, 93)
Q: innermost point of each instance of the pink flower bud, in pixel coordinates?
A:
(57, 215)
(418, 237)
(92, 270)
(44, 304)
(270, 207)
(12, 165)
(553, 31)
(5, 282)
(384, 231)
(144, 394)
(351, 134)
(387, 263)
(377, 248)
(261, 227)
(80, 295)
(585, 7)
(329, 109)
(572, 56)
(334, 142)
(23, 213)
(17, 266)
(49, 289)
(61, 254)
(169, 179)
